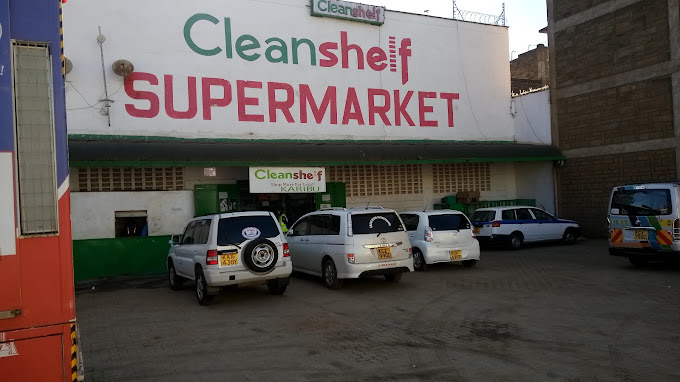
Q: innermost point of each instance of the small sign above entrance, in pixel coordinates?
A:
(346, 10)
(287, 180)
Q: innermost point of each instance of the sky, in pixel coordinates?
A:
(523, 17)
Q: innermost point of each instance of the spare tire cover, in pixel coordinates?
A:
(260, 255)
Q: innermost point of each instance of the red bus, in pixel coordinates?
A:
(37, 304)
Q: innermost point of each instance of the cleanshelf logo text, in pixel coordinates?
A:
(276, 50)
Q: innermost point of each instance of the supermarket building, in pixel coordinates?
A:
(206, 105)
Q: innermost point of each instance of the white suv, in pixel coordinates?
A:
(342, 243)
(441, 236)
(230, 249)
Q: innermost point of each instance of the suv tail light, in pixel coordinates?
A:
(211, 257)
(350, 258)
(428, 234)
(410, 253)
(286, 250)
(676, 230)
(496, 224)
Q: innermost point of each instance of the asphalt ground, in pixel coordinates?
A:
(542, 313)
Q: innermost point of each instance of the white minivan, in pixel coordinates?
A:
(644, 222)
(348, 243)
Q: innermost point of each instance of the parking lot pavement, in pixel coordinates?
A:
(543, 313)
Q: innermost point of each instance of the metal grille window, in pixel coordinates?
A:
(130, 179)
(34, 123)
(363, 180)
(454, 177)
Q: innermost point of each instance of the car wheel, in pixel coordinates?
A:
(260, 255)
(419, 263)
(516, 240)
(275, 287)
(469, 263)
(637, 261)
(330, 275)
(394, 277)
(176, 282)
(202, 289)
(569, 236)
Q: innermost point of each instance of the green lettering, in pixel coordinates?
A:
(187, 34)
(312, 50)
(334, 8)
(282, 49)
(245, 43)
(227, 37)
(259, 176)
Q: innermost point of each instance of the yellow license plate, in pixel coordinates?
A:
(640, 234)
(229, 259)
(384, 253)
(456, 255)
(476, 230)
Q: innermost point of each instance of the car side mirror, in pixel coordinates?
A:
(176, 239)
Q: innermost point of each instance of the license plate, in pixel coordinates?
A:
(640, 234)
(229, 259)
(456, 255)
(384, 253)
(476, 229)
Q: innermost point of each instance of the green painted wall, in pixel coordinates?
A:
(121, 256)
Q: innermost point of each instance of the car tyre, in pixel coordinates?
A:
(394, 277)
(330, 275)
(275, 287)
(419, 263)
(569, 236)
(637, 261)
(470, 263)
(176, 282)
(260, 255)
(516, 240)
(202, 289)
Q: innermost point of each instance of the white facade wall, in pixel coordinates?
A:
(93, 213)
(535, 180)
(532, 118)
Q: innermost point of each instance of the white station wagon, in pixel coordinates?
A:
(230, 249)
(343, 243)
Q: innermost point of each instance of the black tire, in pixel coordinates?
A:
(330, 275)
(202, 295)
(176, 282)
(637, 261)
(569, 236)
(394, 277)
(275, 288)
(419, 263)
(260, 255)
(515, 241)
(469, 263)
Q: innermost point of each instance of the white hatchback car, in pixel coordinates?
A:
(230, 249)
(342, 243)
(441, 236)
(516, 225)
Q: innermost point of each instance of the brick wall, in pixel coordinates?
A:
(567, 8)
(628, 113)
(585, 183)
(630, 38)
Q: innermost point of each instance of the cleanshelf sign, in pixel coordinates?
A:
(349, 11)
(287, 179)
(267, 70)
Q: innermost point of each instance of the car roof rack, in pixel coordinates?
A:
(333, 209)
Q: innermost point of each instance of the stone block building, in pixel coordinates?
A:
(615, 96)
(530, 70)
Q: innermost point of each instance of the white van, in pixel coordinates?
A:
(643, 222)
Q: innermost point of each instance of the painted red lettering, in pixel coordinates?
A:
(325, 50)
(374, 109)
(154, 104)
(352, 108)
(345, 48)
(424, 109)
(375, 58)
(404, 53)
(208, 101)
(449, 97)
(284, 106)
(400, 108)
(329, 100)
(244, 101)
(170, 99)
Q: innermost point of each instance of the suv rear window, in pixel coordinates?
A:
(230, 230)
(483, 216)
(643, 202)
(376, 223)
(449, 222)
